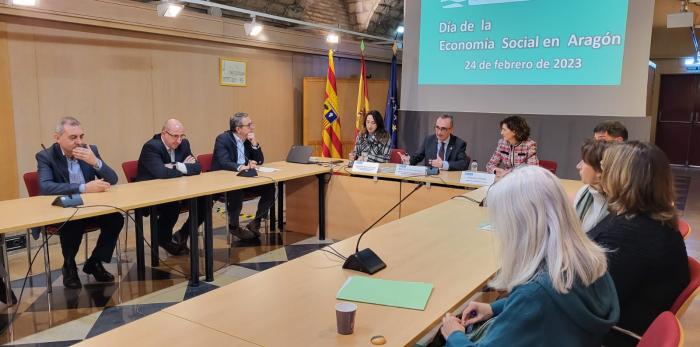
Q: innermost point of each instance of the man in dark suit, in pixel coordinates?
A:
(443, 150)
(235, 150)
(168, 155)
(71, 167)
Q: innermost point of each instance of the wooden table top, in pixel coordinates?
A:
(25, 213)
(293, 303)
(442, 245)
(151, 330)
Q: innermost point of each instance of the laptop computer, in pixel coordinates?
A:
(300, 154)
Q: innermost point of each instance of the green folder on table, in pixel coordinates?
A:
(413, 295)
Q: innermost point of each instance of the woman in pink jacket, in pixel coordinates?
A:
(514, 149)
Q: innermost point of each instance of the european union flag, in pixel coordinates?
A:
(391, 114)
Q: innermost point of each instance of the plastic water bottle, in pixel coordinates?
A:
(474, 166)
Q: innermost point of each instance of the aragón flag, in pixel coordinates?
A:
(332, 146)
(362, 93)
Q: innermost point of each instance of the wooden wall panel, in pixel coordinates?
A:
(23, 78)
(8, 171)
(103, 81)
(426, 197)
(301, 203)
(123, 85)
(352, 205)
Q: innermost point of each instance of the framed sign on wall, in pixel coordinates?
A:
(232, 72)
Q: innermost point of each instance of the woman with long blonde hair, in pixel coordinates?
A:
(559, 291)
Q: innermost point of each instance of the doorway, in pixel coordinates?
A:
(678, 123)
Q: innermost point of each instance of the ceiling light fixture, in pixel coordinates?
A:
(252, 28)
(332, 38)
(169, 9)
(24, 2)
(323, 27)
(400, 29)
(692, 61)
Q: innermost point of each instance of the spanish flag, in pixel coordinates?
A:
(332, 146)
(362, 93)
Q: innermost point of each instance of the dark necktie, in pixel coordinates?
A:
(441, 151)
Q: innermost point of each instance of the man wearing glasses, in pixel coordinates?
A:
(235, 150)
(168, 155)
(442, 150)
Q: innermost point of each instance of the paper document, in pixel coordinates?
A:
(477, 178)
(413, 295)
(266, 169)
(486, 227)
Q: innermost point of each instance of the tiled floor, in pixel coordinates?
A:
(691, 213)
(68, 316)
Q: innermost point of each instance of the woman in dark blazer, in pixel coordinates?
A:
(646, 254)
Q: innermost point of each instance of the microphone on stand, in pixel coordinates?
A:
(366, 260)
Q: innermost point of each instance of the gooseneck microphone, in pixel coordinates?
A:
(366, 260)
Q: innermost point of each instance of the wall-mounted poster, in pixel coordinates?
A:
(232, 72)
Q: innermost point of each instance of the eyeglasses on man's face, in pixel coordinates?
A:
(443, 129)
(177, 137)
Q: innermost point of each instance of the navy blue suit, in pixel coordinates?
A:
(151, 165)
(154, 156)
(225, 157)
(456, 153)
(54, 180)
(226, 153)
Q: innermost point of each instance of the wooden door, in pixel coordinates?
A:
(694, 153)
(678, 108)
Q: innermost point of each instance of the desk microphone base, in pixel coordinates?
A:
(364, 261)
(248, 173)
(72, 200)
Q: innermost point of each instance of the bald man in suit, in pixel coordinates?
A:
(168, 155)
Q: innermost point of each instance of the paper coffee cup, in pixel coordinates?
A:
(345, 317)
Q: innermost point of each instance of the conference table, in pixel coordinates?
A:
(181, 333)
(355, 200)
(19, 214)
(292, 304)
(388, 171)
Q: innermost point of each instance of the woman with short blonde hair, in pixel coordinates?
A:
(560, 293)
(647, 258)
(640, 181)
